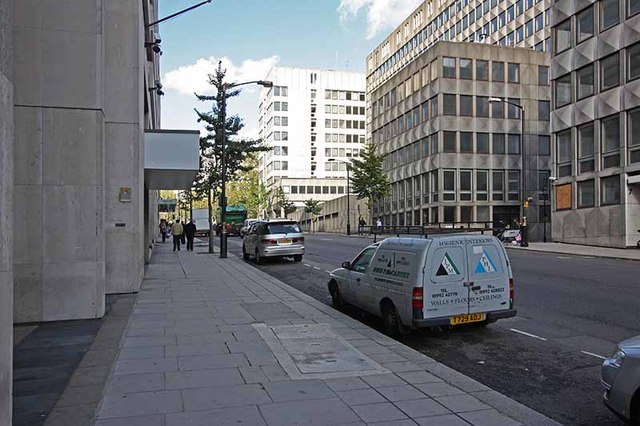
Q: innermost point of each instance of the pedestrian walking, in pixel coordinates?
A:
(361, 224)
(163, 230)
(177, 231)
(190, 233)
(379, 225)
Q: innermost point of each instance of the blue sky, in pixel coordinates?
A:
(250, 36)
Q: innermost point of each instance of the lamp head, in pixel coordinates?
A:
(265, 83)
(493, 99)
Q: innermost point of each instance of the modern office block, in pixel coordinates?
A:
(595, 73)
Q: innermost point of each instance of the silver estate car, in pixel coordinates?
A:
(274, 238)
(621, 381)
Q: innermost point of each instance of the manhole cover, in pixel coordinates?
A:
(315, 351)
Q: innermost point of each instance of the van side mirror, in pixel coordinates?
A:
(346, 265)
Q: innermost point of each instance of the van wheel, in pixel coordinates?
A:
(245, 255)
(336, 296)
(390, 320)
(635, 410)
(297, 258)
(259, 260)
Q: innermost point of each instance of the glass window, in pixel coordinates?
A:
(633, 7)
(449, 104)
(585, 83)
(482, 143)
(482, 106)
(513, 144)
(564, 153)
(497, 185)
(482, 70)
(586, 148)
(610, 190)
(466, 69)
(449, 140)
(609, 13)
(512, 110)
(634, 136)
(544, 145)
(498, 143)
(449, 67)
(497, 110)
(610, 71)
(585, 29)
(633, 61)
(563, 36)
(466, 142)
(610, 137)
(434, 106)
(544, 110)
(466, 105)
(497, 71)
(563, 90)
(543, 75)
(514, 73)
(482, 186)
(586, 193)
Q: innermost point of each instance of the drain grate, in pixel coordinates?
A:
(315, 351)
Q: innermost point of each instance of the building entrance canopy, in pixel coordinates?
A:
(171, 158)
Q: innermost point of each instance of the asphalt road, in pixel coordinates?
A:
(571, 312)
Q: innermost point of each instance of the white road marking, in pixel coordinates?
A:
(592, 354)
(315, 267)
(563, 257)
(306, 264)
(528, 334)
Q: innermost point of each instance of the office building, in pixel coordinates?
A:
(595, 71)
(314, 121)
(450, 154)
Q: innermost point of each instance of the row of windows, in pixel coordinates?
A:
(277, 165)
(281, 106)
(312, 189)
(462, 142)
(342, 95)
(280, 136)
(278, 121)
(582, 27)
(342, 152)
(462, 105)
(462, 24)
(584, 83)
(609, 192)
(279, 91)
(431, 216)
(580, 144)
(344, 109)
(343, 124)
(342, 138)
(276, 150)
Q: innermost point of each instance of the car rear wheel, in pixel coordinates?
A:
(390, 320)
(634, 418)
(245, 255)
(297, 258)
(336, 296)
(259, 259)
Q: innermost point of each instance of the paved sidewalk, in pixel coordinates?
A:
(216, 341)
(581, 250)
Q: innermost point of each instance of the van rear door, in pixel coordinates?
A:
(445, 294)
(488, 276)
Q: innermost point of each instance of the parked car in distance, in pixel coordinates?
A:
(439, 281)
(621, 381)
(274, 238)
(247, 225)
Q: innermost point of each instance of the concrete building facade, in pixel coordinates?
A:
(6, 212)
(308, 118)
(596, 122)
(521, 23)
(450, 155)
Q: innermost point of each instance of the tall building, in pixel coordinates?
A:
(521, 23)
(596, 122)
(450, 154)
(80, 161)
(314, 121)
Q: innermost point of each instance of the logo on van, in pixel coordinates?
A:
(485, 264)
(447, 267)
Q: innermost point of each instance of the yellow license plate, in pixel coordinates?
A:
(284, 242)
(466, 318)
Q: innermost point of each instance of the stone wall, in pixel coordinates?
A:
(6, 211)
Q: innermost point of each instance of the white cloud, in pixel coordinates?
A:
(189, 79)
(381, 14)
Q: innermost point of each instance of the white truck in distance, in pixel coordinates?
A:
(201, 219)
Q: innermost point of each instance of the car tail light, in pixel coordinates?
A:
(417, 299)
(269, 241)
(511, 292)
(298, 240)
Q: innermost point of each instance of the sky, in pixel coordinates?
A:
(251, 36)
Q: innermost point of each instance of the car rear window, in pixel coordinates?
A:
(282, 228)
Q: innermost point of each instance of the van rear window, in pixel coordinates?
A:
(283, 228)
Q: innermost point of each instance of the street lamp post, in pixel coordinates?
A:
(223, 161)
(523, 149)
(348, 194)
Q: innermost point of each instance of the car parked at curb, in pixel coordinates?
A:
(621, 381)
(274, 238)
(247, 226)
(441, 281)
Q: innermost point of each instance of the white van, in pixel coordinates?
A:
(440, 281)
